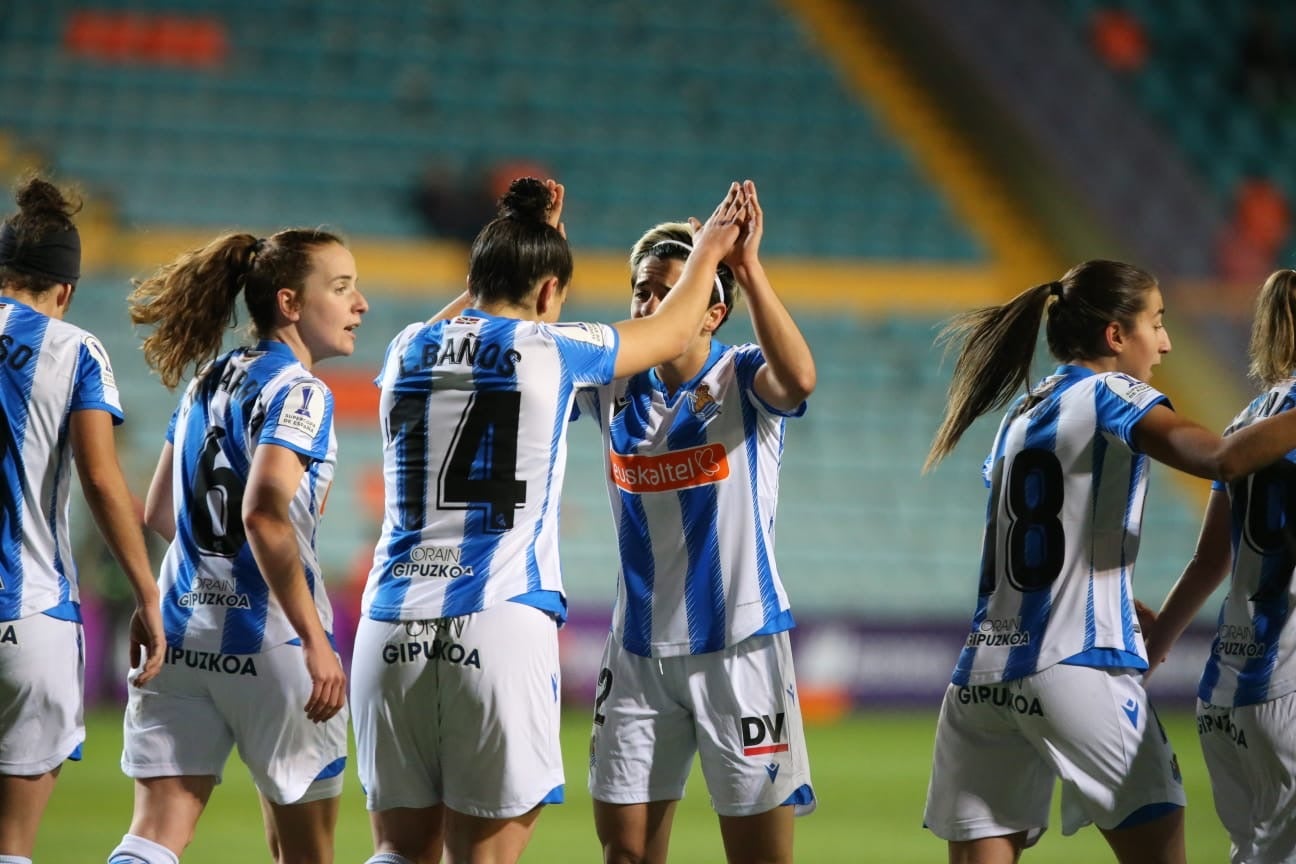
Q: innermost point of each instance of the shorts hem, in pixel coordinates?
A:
(758, 809)
(34, 768)
(151, 771)
(984, 830)
(621, 796)
(1126, 812)
(501, 811)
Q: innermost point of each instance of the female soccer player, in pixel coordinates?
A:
(699, 658)
(58, 401)
(1247, 698)
(1048, 682)
(455, 676)
(238, 491)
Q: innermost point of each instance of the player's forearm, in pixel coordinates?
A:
(274, 546)
(113, 510)
(1181, 605)
(1210, 565)
(787, 354)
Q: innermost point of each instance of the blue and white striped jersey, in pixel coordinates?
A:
(474, 417)
(214, 597)
(48, 369)
(1062, 530)
(1253, 658)
(693, 479)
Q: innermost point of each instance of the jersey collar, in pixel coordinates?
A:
(717, 348)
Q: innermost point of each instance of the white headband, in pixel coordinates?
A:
(670, 241)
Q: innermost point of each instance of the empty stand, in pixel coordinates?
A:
(328, 112)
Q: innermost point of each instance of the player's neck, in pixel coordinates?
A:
(46, 302)
(686, 366)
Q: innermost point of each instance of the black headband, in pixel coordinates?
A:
(56, 256)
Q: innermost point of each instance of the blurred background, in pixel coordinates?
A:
(913, 160)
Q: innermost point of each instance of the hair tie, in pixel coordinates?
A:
(1056, 289)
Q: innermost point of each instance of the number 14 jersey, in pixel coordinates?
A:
(474, 414)
(1062, 530)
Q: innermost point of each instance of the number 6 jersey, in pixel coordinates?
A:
(474, 416)
(1063, 523)
(214, 597)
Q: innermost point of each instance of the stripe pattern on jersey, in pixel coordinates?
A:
(474, 413)
(1062, 529)
(48, 370)
(693, 482)
(214, 597)
(1253, 656)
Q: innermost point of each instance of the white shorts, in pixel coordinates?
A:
(42, 674)
(999, 748)
(186, 721)
(736, 708)
(460, 711)
(1250, 753)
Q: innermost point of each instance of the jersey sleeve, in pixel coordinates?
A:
(588, 350)
(394, 358)
(95, 388)
(300, 417)
(1120, 402)
(748, 360)
(592, 401)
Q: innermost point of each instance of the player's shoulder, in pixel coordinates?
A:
(585, 332)
(70, 338)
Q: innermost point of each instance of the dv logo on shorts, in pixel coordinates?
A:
(756, 731)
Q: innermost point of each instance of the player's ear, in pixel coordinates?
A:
(1114, 338)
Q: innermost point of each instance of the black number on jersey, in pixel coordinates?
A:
(1270, 525)
(407, 433)
(10, 515)
(604, 688)
(480, 469)
(1036, 543)
(14, 354)
(216, 511)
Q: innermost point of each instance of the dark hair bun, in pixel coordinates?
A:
(44, 201)
(527, 200)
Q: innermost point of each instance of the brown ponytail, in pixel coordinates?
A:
(996, 344)
(995, 347)
(192, 301)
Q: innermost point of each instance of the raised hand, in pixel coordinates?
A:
(746, 250)
(716, 236)
(554, 214)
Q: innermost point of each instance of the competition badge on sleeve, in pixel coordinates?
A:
(101, 356)
(303, 411)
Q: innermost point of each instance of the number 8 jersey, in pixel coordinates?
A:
(1067, 488)
(474, 413)
(214, 597)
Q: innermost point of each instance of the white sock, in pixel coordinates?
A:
(381, 858)
(137, 850)
(14, 859)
